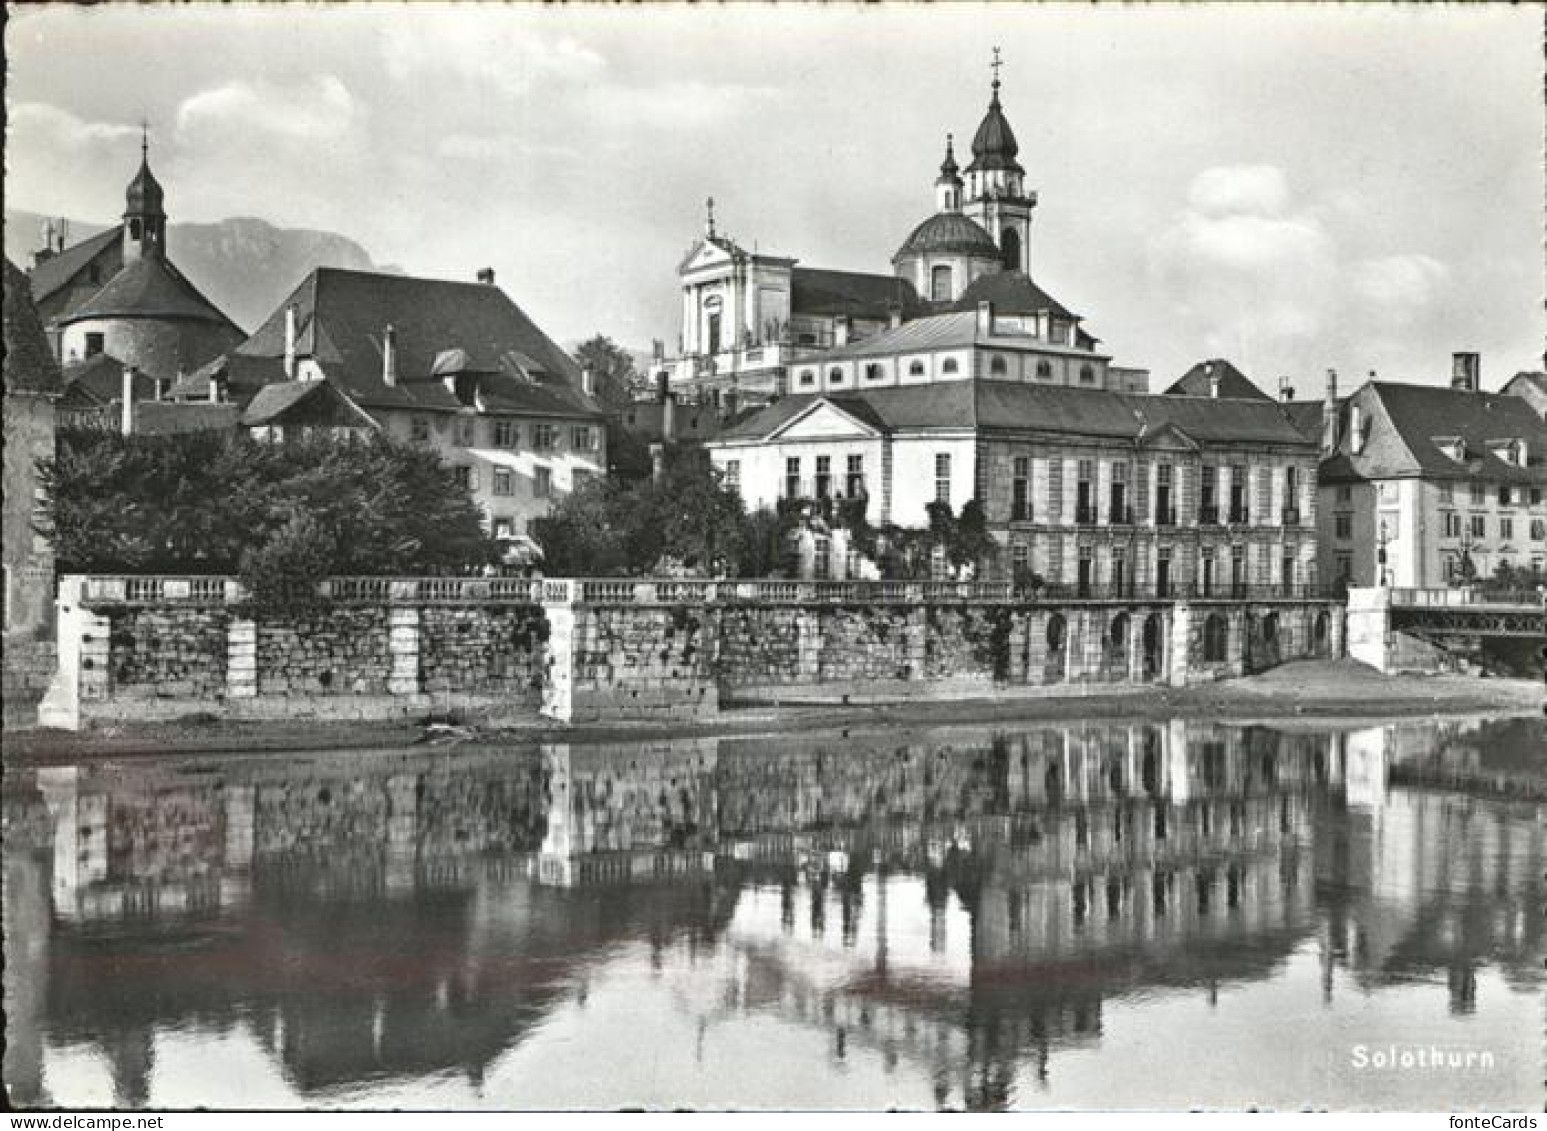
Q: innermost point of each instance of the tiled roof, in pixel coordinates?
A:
(1232, 382)
(29, 365)
(949, 233)
(341, 321)
(937, 331)
(852, 293)
(165, 418)
(1406, 421)
(273, 401)
(1059, 409)
(1308, 416)
(1011, 292)
(101, 378)
(57, 270)
(149, 288)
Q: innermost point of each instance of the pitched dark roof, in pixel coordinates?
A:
(1232, 382)
(818, 291)
(101, 378)
(29, 365)
(1308, 416)
(342, 317)
(1011, 292)
(948, 233)
(1000, 405)
(1536, 379)
(56, 271)
(994, 145)
(273, 401)
(144, 194)
(1420, 415)
(149, 288)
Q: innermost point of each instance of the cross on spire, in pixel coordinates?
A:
(994, 66)
(144, 140)
(709, 208)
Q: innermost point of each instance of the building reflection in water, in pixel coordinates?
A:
(961, 905)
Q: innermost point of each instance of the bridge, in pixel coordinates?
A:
(1413, 629)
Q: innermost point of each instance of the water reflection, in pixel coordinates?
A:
(972, 917)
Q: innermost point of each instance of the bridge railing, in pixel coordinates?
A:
(1467, 598)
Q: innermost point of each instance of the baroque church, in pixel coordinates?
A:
(757, 326)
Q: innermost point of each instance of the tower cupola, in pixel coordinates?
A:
(948, 186)
(144, 212)
(997, 197)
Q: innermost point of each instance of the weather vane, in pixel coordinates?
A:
(995, 65)
(709, 207)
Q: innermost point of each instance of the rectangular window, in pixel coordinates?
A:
(419, 429)
(1119, 569)
(733, 474)
(1479, 492)
(1343, 525)
(464, 476)
(464, 431)
(1117, 500)
(1506, 496)
(1237, 493)
(1479, 526)
(505, 434)
(1163, 572)
(1538, 530)
(1506, 528)
(855, 485)
(822, 560)
(792, 477)
(1165, 510)
(95, 344)
(1452, 526)
(542, 482)
(824, 476)
(582, 437)
(1085, 491)
(1208, 495)
(1345, 566)
(1447, 492)
(504, 481)
(504, 528)
(943, 477)
(1020, 560)
(1345, 493)
(545, 437)
(1536, 496)
(1020, 490)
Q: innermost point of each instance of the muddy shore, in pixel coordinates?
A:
(1313, 690)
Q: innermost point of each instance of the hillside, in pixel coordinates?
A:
(245, 266)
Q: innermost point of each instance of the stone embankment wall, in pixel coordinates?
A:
(582, 651)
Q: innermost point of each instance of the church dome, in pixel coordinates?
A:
(994, 146)
(143, 196)
(949, 233)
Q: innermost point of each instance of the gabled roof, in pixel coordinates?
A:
(1011, 292)
(166, 418)
(273, 401)
(101, 378)
(1232, 382)
(1001, 405)
(56, 271)
(852, 293)
(1308, 416)
(1406, 421)
(149, 288)
(29, 365)
(342, 316)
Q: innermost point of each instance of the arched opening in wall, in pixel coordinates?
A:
(1057, 663)
(1216, 638)
(1114, 649)
(1010, 249)
(940, 284)
(1321, 635)
(1154, 652)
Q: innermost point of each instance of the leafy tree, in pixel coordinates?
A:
(614, 369)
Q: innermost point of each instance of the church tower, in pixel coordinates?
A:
(948, 186)
(997, 197)
(145, 220)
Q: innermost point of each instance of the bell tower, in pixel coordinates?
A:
(997, 197)
(145, 218)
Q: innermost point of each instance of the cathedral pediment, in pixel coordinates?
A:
(824, 420)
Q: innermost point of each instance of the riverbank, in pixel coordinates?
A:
(1322, 689)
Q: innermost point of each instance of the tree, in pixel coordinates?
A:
(614, 371)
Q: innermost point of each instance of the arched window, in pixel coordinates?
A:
(940, 284)
(915, 368)
(1216, 637)
(997, 365)
(948, 365)
(873, 371)
(835, 376)
(1044, 368)
(1010, 249)
(1087, 375)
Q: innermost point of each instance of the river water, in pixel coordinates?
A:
(1156, 915)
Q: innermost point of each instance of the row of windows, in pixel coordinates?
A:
(1507, 494)
(1477, 525)
(998, 366)
(503, 480)
(507, 434)
(1211, 576)
(821, 487)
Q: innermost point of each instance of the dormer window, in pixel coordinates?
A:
(1512, 452)
(1454, 447)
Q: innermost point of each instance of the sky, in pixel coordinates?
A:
(1295, 188)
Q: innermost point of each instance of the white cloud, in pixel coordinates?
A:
(320, 109)
(72, 167)
(483, 46)
(1240, 190)
(1398, 288)
(32, 122)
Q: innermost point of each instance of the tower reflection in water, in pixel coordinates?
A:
(959, 906)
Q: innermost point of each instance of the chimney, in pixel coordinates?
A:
(669, 417)
(214, 389)
(1465, 370)
(732, 402)
(985, 318)
(389, 356)
(894, 315)
(486, 276)
(588, 381)
(126, 416)
(1286, 389)
(1329, 415)
(290, 335)
(841, 330)
(1213, 375)
(662, 384)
